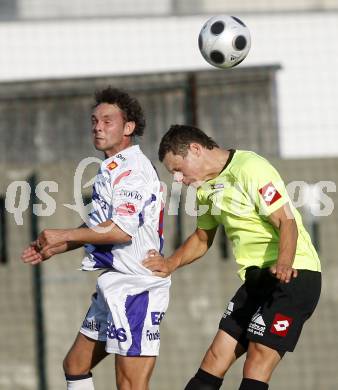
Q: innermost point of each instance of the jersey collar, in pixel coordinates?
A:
(231, 155)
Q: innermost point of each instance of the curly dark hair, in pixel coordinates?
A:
(178, 139)
(131, 108)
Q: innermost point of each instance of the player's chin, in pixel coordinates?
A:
(99, 146)
(187, 182)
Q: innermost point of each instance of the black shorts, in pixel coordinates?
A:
(271, 313)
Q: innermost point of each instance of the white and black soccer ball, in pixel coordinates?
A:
(224, 41)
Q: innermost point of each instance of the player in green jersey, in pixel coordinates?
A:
(279, 266)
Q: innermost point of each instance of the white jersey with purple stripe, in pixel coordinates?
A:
(127, 191)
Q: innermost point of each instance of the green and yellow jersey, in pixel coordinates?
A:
(241, 198)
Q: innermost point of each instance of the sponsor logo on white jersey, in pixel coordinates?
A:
(121, 157)
(112, 165)
(126, 209)
(130, 194)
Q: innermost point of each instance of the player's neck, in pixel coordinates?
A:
(217, 161)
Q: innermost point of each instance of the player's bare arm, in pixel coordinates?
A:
(284, 221)
(55, 241)
(105, 233)
(34, 254)
(194, 247)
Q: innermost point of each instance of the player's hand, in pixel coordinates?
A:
(284, 272)
(34, 254)
(50, 251)
(157, 264)
(31, 254)
(50, 238)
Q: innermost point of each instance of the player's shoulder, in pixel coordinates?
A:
(248, 157)
(125, 159)
(248, 162)
(131, 162)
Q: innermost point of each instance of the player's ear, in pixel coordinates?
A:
(195, 148)
(129, 128)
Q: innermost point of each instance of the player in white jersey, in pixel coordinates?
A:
(126, 190)
(126, 221)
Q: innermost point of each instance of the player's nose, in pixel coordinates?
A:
(178, 177)
(97, 127)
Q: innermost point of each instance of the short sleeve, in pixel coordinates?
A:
(264, 185)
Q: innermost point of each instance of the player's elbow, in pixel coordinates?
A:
(112, 233)
(118, 238)
(125, 238)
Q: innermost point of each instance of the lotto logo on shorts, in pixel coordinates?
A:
(281, 325)
(270, 194)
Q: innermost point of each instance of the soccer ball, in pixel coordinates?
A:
(224, 41)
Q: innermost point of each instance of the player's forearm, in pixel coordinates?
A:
(192, 249)
(288, 235)
(71, 246)
(105, 233)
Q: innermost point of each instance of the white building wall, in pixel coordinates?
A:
(305, 44)
(259, 5)
(31, 9)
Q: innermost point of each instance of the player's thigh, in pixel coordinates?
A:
(84, 354)
(221, 354)
(133, 372)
